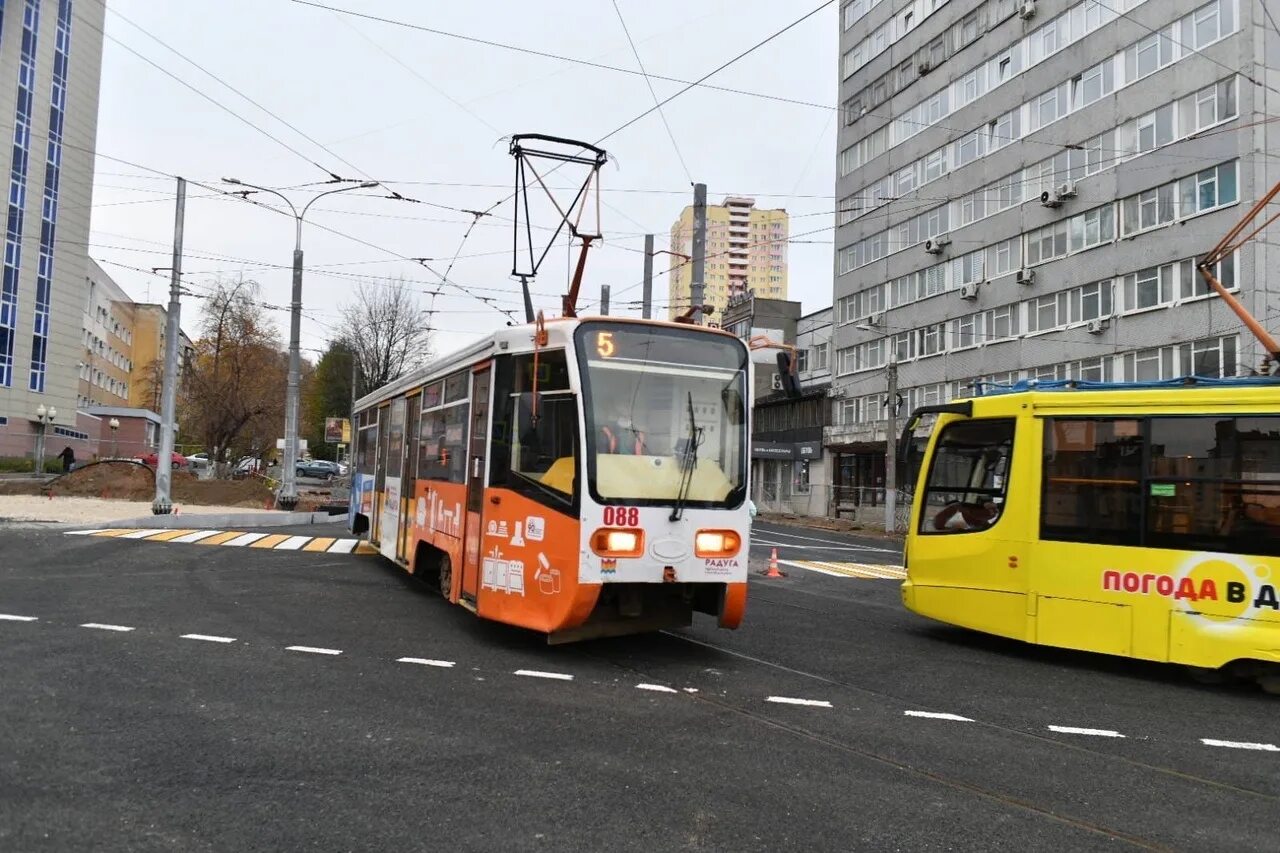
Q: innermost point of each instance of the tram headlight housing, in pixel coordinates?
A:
(618, 542)
(716, 543)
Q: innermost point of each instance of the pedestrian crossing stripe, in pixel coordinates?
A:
(236, 539)
(850, 570)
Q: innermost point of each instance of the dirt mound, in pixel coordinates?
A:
(135, 482)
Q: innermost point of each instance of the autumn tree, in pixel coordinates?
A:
(328, 395)
(234, 389)
(388, 330)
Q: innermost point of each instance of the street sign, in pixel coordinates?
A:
(337, 431)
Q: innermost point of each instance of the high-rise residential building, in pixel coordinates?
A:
(1024, 186)
(746, 253)
(50, 63)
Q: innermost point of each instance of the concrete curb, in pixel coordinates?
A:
(211, 521)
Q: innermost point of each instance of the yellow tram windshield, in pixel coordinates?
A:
(1137, 520)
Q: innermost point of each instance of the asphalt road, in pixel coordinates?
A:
(260, 701)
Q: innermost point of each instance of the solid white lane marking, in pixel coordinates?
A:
(208, 638)
(1234, 744)
(1072, 730)
(9, 617)
(143, 534)
(787, 700)
(426, 662)
(533, 673)
(99, 626)
(293, 543)
(656, 688)
(343, 546)
(245, 539)
(197, 536)
(312, 650)
(937, 715)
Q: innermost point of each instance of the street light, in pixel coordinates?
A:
(44, 418)
(288, 497)
(891, 428)
(114, 423)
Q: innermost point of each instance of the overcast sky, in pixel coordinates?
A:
(419, 111)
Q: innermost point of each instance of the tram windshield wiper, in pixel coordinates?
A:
(688, 462)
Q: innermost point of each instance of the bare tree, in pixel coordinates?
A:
(233, 390)
(388, 330)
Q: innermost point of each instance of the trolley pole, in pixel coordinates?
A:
(604, 299)
(646, 300)
(891, 451)
(163, 503)
(699, 249)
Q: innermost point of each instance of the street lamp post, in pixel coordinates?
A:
(44, 418)
(114, 423)
(288, 497)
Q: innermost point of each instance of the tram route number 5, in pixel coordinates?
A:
(622, 516)
(605, 345)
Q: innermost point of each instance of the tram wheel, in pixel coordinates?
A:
(446, 576)
(1270, 684)
(1204, 675)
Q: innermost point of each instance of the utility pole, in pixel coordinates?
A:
(528, 299)
(163, 504)
(699, 249)
(646, 299)
(891, 451)
(604, 299)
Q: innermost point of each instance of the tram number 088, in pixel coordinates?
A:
(622, 516)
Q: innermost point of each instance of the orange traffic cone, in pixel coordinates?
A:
(773, 565)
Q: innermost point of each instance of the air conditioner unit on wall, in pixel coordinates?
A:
(1066, 190)
(1026, 276)
(935, 245)
(969, 291)
(875, 318)
(775, 381)
(925, 65)
(1098, 326)
(1049, 198)
(1026, 9)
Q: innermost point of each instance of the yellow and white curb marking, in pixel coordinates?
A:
(850, 570)
(237, 539)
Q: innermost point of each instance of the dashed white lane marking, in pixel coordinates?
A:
(312, 650)
(690, 690)
(787, 700)
(9, 617)
(245, 539)
(1235, 744)
(293, 543)
(656, 688)
(343, 546)
(142, 534)
(99, 626)
(208, 638)
(426, 662)
(197, 536)
(937, 715)
(1072, 730)
(534, 673)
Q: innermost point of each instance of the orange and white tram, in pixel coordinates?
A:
(578, 477)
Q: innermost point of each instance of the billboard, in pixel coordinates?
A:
(337, 431)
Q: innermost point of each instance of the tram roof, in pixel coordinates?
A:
(988, 389)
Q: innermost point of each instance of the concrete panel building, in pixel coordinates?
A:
(50, 63)
(106, 359)
(1023, 188)
(746, 253)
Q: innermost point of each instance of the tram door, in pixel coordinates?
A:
(478, 436)
(409, 477)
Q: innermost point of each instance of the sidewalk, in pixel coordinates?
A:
(88, 511)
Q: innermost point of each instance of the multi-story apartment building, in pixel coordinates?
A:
(746, 252)
(50, 63)
(106, 362)
(146, 386)
(1023, 188)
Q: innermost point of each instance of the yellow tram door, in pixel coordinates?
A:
(967, 557)
(478, 439)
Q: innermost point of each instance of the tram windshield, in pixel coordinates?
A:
(665, 415)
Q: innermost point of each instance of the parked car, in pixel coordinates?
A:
(247, 466)
(198, 460)
(153, 458)
(321, 469)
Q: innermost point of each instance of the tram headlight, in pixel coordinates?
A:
(716, 543)
(617, 542)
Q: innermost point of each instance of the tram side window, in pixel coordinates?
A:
(534, 450)
(442, 432)
(1092, 481)
(1214, 484)
(968, 477)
